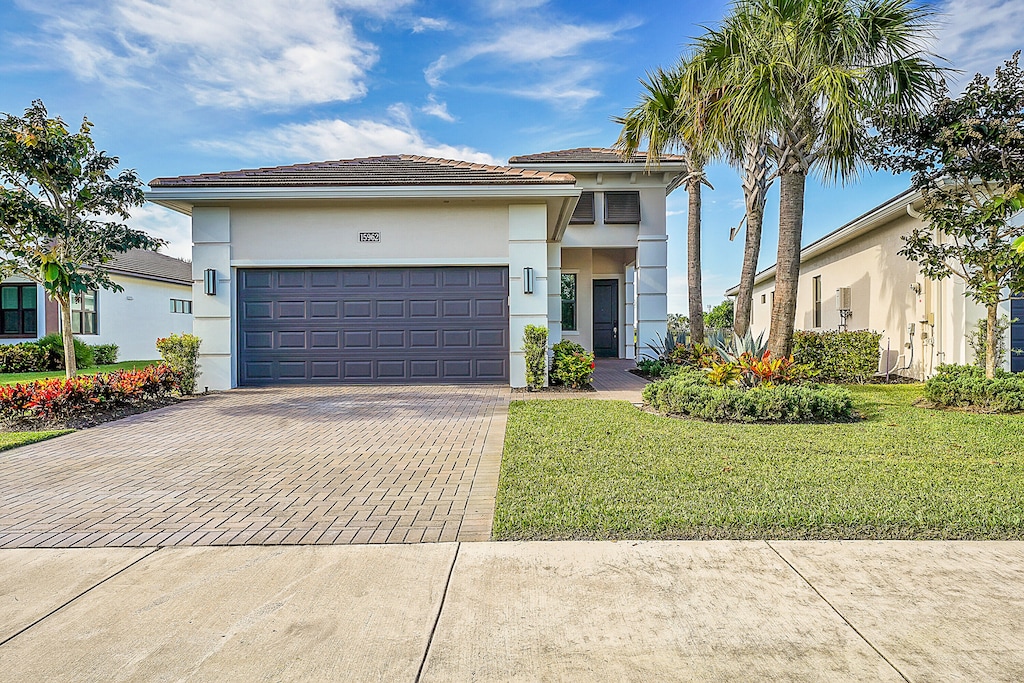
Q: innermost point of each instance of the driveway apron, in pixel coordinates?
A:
(301, 465)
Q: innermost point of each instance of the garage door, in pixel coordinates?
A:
(388, 325)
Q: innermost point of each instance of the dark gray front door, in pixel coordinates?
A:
(1017, 334)
(387, 325)
(606, 318)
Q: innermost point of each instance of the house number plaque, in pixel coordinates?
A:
(369, 237)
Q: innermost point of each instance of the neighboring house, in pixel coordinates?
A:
(854, 278)
(404, 268)
(156, 301)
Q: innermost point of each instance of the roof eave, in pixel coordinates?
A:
(602, 166)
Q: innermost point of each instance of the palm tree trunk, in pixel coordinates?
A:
(751, 253)
(693, 271)
(70, 362)
(991, 343)
(787, 269)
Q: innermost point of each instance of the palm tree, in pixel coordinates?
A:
(755, 167)
(806, 75)
(668, 117)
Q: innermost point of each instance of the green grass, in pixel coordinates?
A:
(10, 440)
(16, 377)
(586, 469)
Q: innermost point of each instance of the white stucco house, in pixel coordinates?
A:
(854, 278)
(156, 301)
(403, 268)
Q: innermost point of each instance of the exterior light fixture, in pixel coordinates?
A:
(527, 280)
(210, 281)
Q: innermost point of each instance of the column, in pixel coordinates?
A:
(651, 290)
(211, 314)
(554, 293)
(629, 328)
(527, 248)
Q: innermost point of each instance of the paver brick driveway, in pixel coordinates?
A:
(264, 466)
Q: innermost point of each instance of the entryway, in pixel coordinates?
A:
(606, 318)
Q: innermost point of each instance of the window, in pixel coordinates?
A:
(181, 306)
(19, 305)
(569, 302)
(83, 313)
(584, 211)
(621, 207)
(764, 298)
(817, 300)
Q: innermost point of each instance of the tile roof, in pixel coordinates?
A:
(586, 155)
(150, 265)
(392, 170)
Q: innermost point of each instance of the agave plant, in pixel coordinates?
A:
(663, 347)
(737, 346)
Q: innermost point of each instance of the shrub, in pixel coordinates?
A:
(53, 344)
(650, 367)
(575, 371)
(105, 354)
(181, 353)
(839, 357)
(750, 371)
(962, 386)
(63, 399)
(977, 339)
(535, 347)
(27, 357)
(560, 351)
(686, 394)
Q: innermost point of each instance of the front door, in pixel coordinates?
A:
(606, 318)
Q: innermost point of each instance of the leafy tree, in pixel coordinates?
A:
(805, 75)
(669, 119)
(967, 159)
(678, 324)
(59, 205)
(721, 316)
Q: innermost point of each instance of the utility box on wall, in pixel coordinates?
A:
(844, 299)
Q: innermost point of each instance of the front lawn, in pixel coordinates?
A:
(18, 377)
(10, 440)
(587, 469)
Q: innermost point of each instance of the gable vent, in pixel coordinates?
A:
(584, 212)
(621, 207)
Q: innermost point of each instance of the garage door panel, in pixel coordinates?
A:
(373, 325)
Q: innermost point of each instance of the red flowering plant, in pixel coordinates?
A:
(574, 370)
(52, 400)
(750, 370)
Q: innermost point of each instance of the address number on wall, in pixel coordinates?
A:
(369, 237)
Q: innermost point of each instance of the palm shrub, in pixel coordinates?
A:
(53, 345)
(181, 353)
(535, 350)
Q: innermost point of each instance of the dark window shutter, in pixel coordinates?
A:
(621, 207)
(584, 212)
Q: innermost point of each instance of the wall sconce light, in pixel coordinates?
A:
(527, 280)
(210, 281)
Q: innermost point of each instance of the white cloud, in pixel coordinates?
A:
(423, 24)
(231, 53)
(510, 6)
(978, 35)
(337, 139)
(544, 56)
(438, 109)
(165, 224)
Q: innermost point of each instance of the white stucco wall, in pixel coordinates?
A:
(883, 299)
(135, 318)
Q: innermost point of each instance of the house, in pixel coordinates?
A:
(156, 301)
(854, 278)
(404, 268)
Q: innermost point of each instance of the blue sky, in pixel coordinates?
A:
(190, 86)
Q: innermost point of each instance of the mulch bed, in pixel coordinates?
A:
(91, 418)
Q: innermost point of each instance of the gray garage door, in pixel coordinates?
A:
(388, 325)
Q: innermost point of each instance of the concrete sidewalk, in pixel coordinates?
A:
(626, 611)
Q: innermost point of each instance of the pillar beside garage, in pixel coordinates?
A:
(651, 290)
(212, 313)
(527, 248)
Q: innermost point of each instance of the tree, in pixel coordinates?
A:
(755, 169)
(967, 159)
(59, 205)
(720, 317)
(804, 75)
(668, 117)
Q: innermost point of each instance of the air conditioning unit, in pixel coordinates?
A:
(844, 299)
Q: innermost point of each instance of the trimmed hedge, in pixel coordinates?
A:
(64, 399)
(28, 357)
(689, 393)
(839, 357)
(965, 386)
